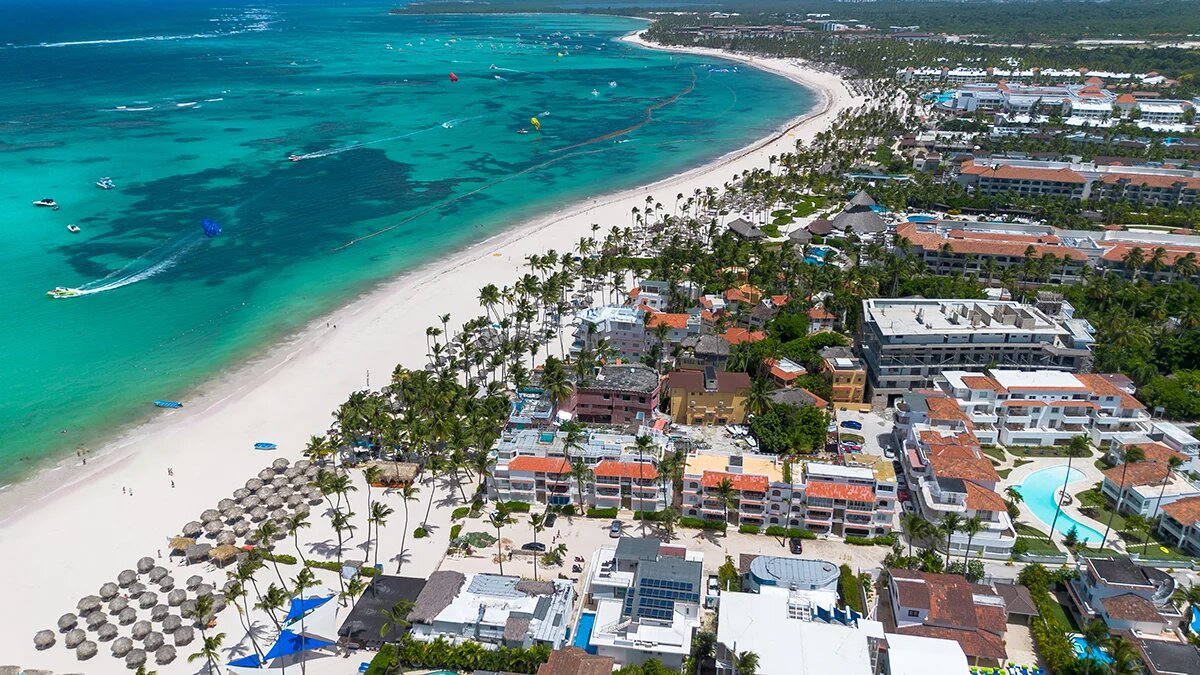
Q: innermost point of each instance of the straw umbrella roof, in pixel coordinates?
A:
(106, 632)
(209, 514)
(294, 501)
(164, 655)
(274, 502)
(197, 552)
(264, 493)
(204, 589)
(176, 597)
(166, 583)
(159, 612)
(126, 577)
(280, 481)
(302, 464)
(303, 509)
(241, 493)
(219, 603)
(234, 514)
(194, 581)
(281, 516)
(265, 474)
(192, 528)
(181, 543)
(109, 591)
(292, 472)
(171, 623)
(241, 528)
(121, 646)
(67, 621)
(117, 604)
(136, 588)
(145, 564)
(285, 492)
(86, 650)
(183, 636)
(96, 619)
(157, 573)
(280, 464)
(127, 616)
(250, 502)
(253, 484)
(213, 527)
(225, 552)
(44, 639)
(74, 637)
(140, 629)
(226, 504)
(135, 658)
(258, 514)
(148, 600)
(153, 641)
(225, 538)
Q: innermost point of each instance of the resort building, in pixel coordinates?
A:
(622, 328)
(1124, 595)
(1169, 658)
(656, 294)
(783, 372)
(1141, 185)
(820, 320)
(948, 607)
(709, 396)
(647, 600)
(618, 394)
(907, 342)
(846, 375)
(1178, 439)
(791, 573)
(1180, 524)
(704, 351)
(492, 610)
(532, 466)
(531, 409)
(1044, 407)
(1146, 486)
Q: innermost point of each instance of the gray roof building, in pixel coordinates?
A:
(860, 222)
(1170, 658)
(746, 230)
(792, 573)
(366, 618)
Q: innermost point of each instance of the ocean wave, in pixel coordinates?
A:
(251, 28)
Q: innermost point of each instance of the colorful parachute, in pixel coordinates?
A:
(211, 228)
(453, 77)
(536, 124)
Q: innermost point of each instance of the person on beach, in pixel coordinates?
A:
(172, 484)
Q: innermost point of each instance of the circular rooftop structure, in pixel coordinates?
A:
(794, 573)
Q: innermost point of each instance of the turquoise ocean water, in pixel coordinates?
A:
(193, 108)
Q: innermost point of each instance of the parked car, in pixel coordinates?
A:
(535, 546)
(551, 517)
(851, 424)
(614, 529)
(889, 453)
(907, 507)
(901, 481)
(796, 545)
(903, 494)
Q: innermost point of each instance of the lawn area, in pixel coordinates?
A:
(995, 453)
(1021, 462)
(1060, 614)
(1024, 530)
(1102, 464)
(806, 206)
(1039, 546)
(1154, 552)
(1003, 473)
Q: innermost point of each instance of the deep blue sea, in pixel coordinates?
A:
(192, 108)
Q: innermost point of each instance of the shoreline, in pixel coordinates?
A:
(287, 392)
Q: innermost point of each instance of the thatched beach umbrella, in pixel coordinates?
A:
(140, 629)
(171, 623)
(213, 527)
(264, 493)
(225, 538)
(188, 609)
(109, 591)
(280, 516)
(136, 589)
(159, 612)
(250, 502)
(121, 646)
(67, 621)
(225, 553)
(209, 514)
(106, 632)
(253, 484)
(241, 493)
(312, 470)
(265, 475)
(274, 502)
(166, 583)
(179, 544)
(194, 581)
(127, 616)
(234, 514)
(225, 504)
(302, 465)
(203, 590)
(259, 514)
(148, 600)
(241, 528)
(44, 639)
(303, 509)
(145, 564)
(86, 650)
(219, 603)
(197, 552)
(153, 641)
(117, 604)
(192, 528)
(135, 658)
(314, 496)
(280, 465)
(96, 619)
(295, 501)
(292, 472)
(126, 577)
(183, 636)
(252, 537)
(176, 597)
(74, 638)
(164, 655)
(279, 482)
(285, 492)
(157, 573)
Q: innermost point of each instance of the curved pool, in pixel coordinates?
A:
(1038, 490)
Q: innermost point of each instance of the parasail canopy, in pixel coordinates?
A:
(211, 228)
(453, 77)
(536, 124)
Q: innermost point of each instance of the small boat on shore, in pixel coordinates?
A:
(262, 445)
(47, 203)
(73, 228)
(105, 183)
(168, 404)
(62, 292)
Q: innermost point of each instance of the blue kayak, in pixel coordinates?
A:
(264, 446)
(168, 404)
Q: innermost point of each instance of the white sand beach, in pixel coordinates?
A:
(67, 531)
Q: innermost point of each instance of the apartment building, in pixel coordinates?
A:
(617, 394)
(1124, 595)
(846, 375)
(1044, 407)
(622, 328)
(709, 396)
(532, 466)
(1146, 486)
(947, 606)
(1142, 185)
(907, 342)
(495, 610)
(856, 500)
(948, 473)
(656, 294)
(531, 409)
(1180, 524)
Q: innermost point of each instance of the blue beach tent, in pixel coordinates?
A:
(301, 607)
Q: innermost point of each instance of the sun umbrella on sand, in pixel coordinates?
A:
(86, 650)
(197, 552)
(274, 502)
(153, 641)
(241, 493)
(265, 474)
(295, 501)
(136, 589)
(157, 573)
(164, 655)
(74, 638)
(203, 590)
(258, 514)
(109, 591)
(302, 465)
(127, 616)
(234, 514)
(166, 583)
(159, 612)
(44, 639)
(171, 623)
(253, 484)
(213, 527)
(292, 472)
(280, 465)
(178, 545)
(187, 609)
(226, 504)
(279, 481)
(176, 597)
(194, 581)
(67, 621)
(106, 632)
(285, 492)
(147, 600)
(135, 658)
(209, 515)
(264, 493)
(121, 646)
(226, 538)
(192, 528)
(183, 636)
(96, 619)
(250, 502)
(280, 516)
(140, 629)
(126, 577)
(117, 604)
(241, 528)
(145, 564)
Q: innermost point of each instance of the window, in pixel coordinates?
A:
(913, 612)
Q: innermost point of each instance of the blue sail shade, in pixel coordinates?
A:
(290, 643)
(301, 607)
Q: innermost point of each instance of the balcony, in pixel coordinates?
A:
(819, 517)
(858, 519)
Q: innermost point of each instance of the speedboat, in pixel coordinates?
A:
(522, 131)
(61, 292)
(47, 202)
(294, 158)
(105, 183)
(73, 228)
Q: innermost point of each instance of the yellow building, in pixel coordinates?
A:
(846, 375)
(708, 397)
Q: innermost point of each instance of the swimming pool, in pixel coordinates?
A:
(583, 632)
(1083, 649)
(921, 219)
(1038, 492)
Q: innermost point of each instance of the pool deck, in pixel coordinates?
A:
(1091, 476)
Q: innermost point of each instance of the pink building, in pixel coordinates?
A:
(617, 395)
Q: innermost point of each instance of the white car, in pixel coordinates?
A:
(889, 453)
(908, 507)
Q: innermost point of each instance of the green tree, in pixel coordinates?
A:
(210, 652)
(951, 523)
(537, 522)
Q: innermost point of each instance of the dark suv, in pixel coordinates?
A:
(795, 545)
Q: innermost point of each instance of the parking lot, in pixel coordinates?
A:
(875, 434)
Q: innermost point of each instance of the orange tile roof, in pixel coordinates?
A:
(613, 469)
(1126, 99)
(539, 464)
(945, 408)
(780, 373)
(977, 469)
(1186, 511)
(930, 241)
(1116, 253)
(984, 382)
(741, 481)
(736, 336)
(1137, 473)
(744, 293)
(1005, 236)
(1157, 452)
(820, 314)
(668, 320)
(635, 291)
(980, 498)
(1010, 172)
(1100, 386)
(845, 491)
(780, 300)
(1150, 180)
(959, 445)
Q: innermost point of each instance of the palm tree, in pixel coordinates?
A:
(379, 515)
(728, 495)
(499, 518)
(971, 527)
(1172, 463)
(1013, 496)
(670, 518)
(141, 670)
(745, 663)
(951, 523)
(1125, 659)
(210, 652)
(1136, 524)
(1127, 456)
(758, 400)
(395, 618)
(538, 522)
(1096, 634)
(341, 524)
(266, 541)
(271, 601)
(581, 473)
(371, 475)
(916, 526)
(408, 493)
(1079, 446)
(295, 523)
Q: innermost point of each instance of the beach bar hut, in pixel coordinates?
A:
(179, 545)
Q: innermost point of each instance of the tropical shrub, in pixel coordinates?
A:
(420, 533)
(517, 507)
(281, 558)
(849, 590)
(460, 513)
(610, 512)
(748, 529)
(701, 523)
(468, 656)
(455, 530)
